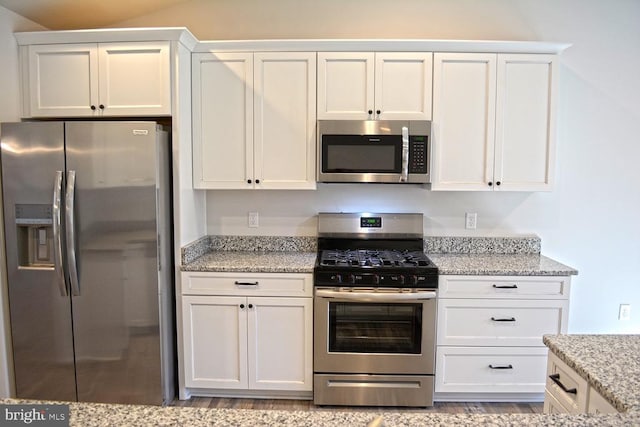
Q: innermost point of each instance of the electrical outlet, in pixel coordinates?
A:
(253, 219)
(470, 220)
(625, 312)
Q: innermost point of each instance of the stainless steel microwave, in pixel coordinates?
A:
(386, 151)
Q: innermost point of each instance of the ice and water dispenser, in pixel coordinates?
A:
(34, 225)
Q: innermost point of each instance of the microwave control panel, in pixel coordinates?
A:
(418, 154)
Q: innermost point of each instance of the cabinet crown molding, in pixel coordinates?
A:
(183, 35)
(180, 34)
(383, 45)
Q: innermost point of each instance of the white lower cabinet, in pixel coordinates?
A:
(489, 335)
(567, 392)
(248, 341)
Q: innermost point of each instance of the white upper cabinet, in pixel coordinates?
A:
(525, 122)
(62, 80)
(493, 121)
(464, 88)
(285, 120)
(98, 79)
(254, 120)
(222, 120)
(134, 79)
(368, 86)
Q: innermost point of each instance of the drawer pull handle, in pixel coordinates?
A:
(505, 286)
(246, 283)
(506, 319)
(501, 366)
(556, 379)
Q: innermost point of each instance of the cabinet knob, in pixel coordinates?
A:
(250, 305)
(370, 112)
(101, 106)
(241, 305)
(248, 181)
(257, 181)
(93, 107)
(490, 183)
(378, 111)
(497, 182)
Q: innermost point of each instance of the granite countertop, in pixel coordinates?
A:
(609, 363)
(452, 255)
(98, 414)
(500, 265)
(303, 262)
(254, 261)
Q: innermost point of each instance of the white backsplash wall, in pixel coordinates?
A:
(293, 213)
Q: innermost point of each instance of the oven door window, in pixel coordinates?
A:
(361, 154)
(375, 327)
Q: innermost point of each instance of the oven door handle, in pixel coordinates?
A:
(376, 296)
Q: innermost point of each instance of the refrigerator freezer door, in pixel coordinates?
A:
(115, 314)
(40, 308)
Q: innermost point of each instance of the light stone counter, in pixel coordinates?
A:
(609, 363)
(500, 265)
(254, 262)
(95, 414)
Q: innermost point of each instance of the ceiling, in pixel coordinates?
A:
(77, 14)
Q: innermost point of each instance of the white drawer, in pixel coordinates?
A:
(249, 284)
(552, 406)
(469, 322)
(574, 402)
(477, 369)
(516, 287)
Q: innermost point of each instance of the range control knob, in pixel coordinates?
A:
(336, 278)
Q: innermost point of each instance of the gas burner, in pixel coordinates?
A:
(383, 258)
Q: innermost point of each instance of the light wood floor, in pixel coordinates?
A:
(307, 405)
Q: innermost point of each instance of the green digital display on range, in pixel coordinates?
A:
(371, 222)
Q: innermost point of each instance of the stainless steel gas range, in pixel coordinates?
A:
(374, 311)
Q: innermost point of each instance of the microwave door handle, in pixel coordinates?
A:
(405, 154)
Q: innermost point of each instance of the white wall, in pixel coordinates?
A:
(590, 219)
(9, 111)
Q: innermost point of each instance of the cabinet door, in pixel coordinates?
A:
(222, 120)
(135, 79)
(215, 341)
(598, 404)
(403, 82)
(345, 85)
(285, 120)
(63, 80)
(280, 343)
(464, 87)
(525, 122)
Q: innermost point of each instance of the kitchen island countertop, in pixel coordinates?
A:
(609, 363)
(98, 414)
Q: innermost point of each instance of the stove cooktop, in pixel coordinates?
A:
(375, 268)
(363, 258)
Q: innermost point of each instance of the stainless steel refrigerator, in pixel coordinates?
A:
(88, 255)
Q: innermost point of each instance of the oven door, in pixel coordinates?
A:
(382, 331)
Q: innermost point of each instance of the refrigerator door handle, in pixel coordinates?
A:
(57, 237)
(71, 233)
